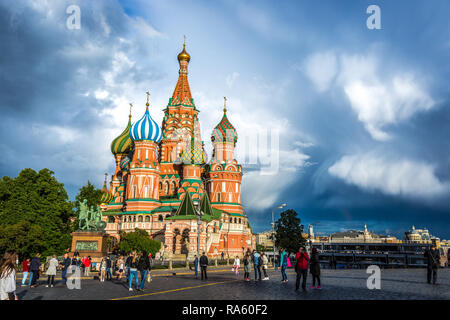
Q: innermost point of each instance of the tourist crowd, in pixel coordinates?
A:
(137, 266)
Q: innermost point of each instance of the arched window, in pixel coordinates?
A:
(147, 218)
(111, 219)
(160, 217)
(134, 219)
(160, 186)
(166, 187)
(174, 186)
(140, 219)
(231, 220)
(235, 220)
(239, 220)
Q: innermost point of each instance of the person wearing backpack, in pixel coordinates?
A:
(257, 265)
(301, 267)
(283, 265)
(264, 262)
(204, 265)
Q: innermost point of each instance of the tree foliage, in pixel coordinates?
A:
(288, 232)
(35, 214)
(140, 241)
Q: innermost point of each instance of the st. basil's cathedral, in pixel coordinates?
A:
(163, 181)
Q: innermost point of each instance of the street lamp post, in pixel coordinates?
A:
(273, 232)
(199, 223)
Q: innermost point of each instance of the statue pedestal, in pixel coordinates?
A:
(90, 243)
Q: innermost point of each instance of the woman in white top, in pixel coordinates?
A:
(51, 271)
(236, 265)
(8, 275)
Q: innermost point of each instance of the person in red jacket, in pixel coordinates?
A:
(26, 269)
(301, 267)
(87, 265)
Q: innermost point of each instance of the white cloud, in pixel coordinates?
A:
(231, 78)
(321, 68)
(378, 99)
(400, 177)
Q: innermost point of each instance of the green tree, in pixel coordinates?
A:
(288, 232)
(35, 213)
(138, 240)
(91, 194)
(260, 247)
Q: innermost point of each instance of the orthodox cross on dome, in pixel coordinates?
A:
(148, 98)
(106, 178)
(224, 104)
(131, 107)
(184, 42)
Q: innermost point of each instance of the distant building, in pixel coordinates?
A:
(360, 236)
(263, 239)
(418, 235)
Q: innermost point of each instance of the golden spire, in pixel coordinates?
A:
(225, 105)
(183, 55)
(148, 98)
(106, 178)
(129, 116)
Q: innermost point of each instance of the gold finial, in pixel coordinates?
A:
(224, 104)
(148, 98)
(106, 178)
(183, 55)
(131, 106)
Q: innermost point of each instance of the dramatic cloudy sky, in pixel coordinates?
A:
(344, 124)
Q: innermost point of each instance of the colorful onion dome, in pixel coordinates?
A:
(146, 129)
(124, 163)
(122, 144)
(193, 153)
(106, 197)
(224, 131)
(183, 55)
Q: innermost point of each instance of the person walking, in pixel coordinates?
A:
(144, 268)
(301, 268)
(120, 266)
(283, 265)
(127, 264)
(247, 267)
(204, 265)
(25, 270)
(51, 271)
(257, 264)
(196, 266)
(314, 268)
(236, 265)
(102, 270)
(35, 266)
(221, 255)
(133, 271)
(265, 264)
(432, 263)
(64, 266)
(8, 275)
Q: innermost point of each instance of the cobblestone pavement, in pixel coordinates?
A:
(336, 284)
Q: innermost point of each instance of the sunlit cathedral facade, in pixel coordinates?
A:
(163, 182)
